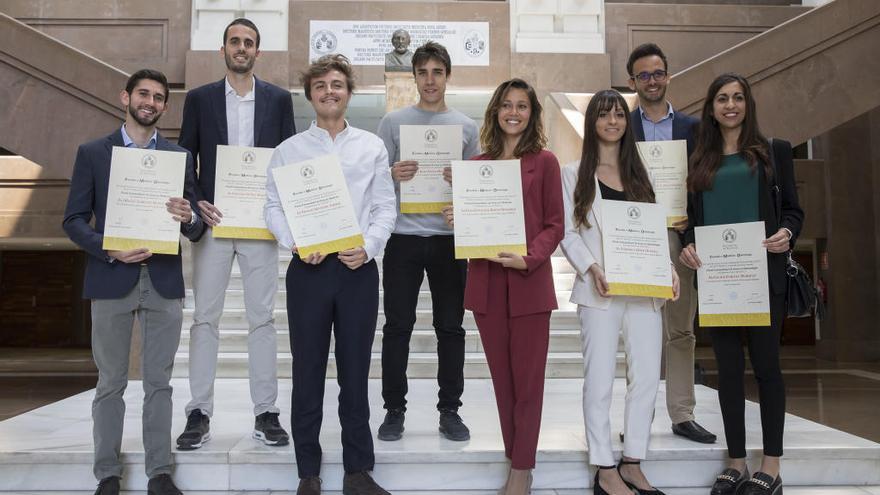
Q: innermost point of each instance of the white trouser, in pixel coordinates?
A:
(642, 335)
(212, 265)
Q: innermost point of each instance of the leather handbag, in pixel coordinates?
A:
(801, 296)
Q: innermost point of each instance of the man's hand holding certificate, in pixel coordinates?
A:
(489, 216)
(240, 192)
(145, 186)
(732, 277)
(667, 163)
(636, 249)
(433, 147)
(317, 206)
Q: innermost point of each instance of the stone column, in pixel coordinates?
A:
(557, 26)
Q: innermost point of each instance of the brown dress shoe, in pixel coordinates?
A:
(309, 486)
(361, 484)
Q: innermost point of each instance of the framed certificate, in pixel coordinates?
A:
(141, 181)
(434, 147)
(734, 290)
(635, 245)
(488, 200)
(667, 163)
(240, 192)
(317, 205)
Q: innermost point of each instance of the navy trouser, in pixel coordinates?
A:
(320, 299)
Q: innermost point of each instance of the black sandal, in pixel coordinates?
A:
(639, 491)
(729, 482)
(597, 488)
(762, 484)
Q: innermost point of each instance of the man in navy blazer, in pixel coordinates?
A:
(125, 284)
(238, 110)
(655, 120)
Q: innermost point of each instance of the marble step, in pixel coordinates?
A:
(235, 299)
(561, 280)
(50, 448)
(560, 264)
(421, 341)
(234, 318)
(421, 365)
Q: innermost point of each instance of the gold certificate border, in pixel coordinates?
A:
(642, 290)
(434, 207)
(735, 320)
(331, 246)
(127, 244)
(670, 220)
(464, 252)
(257, 233)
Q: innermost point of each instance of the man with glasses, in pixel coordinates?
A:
(655, 120)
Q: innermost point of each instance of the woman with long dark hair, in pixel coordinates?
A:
(512, 296)
(736, 175)
(610, 169)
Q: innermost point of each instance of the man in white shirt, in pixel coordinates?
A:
(336, 292)
(238, 110)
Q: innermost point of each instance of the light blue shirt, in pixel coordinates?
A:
(658, 131)
(126, 140)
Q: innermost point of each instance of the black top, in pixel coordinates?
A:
(610, 193)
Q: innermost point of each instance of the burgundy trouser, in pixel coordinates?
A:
(516, 351)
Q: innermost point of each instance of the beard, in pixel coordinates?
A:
(236, 67)
(653, 98)
(142, 121)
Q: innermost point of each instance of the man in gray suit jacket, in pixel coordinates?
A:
(129, 283)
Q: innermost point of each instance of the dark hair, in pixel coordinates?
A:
(323, 65)
(241, 21)
(491, 135)
(709, 147)
(645, 50)
(633, 174)
(431, 50)
(150, 74)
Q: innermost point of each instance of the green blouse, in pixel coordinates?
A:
(733, 197)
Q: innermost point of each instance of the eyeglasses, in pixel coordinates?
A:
(658, 75)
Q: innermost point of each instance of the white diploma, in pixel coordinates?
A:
(317, 205)
(636, 249)
(732, 281)
(434, 147)
(488, 199)
(240, 192)
(141, 181)
(667, 163)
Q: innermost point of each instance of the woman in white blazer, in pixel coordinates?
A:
(610, 169)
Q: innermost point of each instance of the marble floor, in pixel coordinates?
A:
(50, 448)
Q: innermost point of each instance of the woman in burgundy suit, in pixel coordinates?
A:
(512, 295)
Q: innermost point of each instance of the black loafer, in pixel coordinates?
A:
(693, 431)
(729, 482)
(762, 484)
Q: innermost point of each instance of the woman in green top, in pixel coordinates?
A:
(736, 177)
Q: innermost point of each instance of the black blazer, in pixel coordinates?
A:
(88, 196)
(683, 127)
(204, 125)
(779, 188)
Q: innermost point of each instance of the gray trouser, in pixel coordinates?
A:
(679, 340)
(212, 264)
(160, 320)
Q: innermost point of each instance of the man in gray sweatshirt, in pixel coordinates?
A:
(422, 243)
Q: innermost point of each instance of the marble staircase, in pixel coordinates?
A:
(564, 359)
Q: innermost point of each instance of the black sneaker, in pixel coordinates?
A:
(391, 428)
(268, 430)
(452, 427)
(162, 485)
(361, 484)
(196, 433)
(108, 486)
